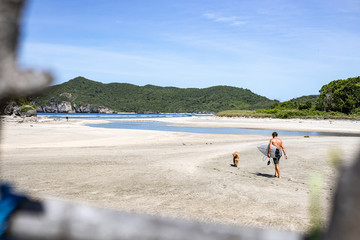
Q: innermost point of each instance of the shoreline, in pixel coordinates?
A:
(174, 174)
(336, 126)
(294, 124)
(347, 126)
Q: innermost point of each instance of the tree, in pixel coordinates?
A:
(307, 105)
(340, 95)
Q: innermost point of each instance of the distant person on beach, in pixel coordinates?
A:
(275, 141)
(67, 117)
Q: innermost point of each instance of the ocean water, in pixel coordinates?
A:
(118, 115)
(162, 126)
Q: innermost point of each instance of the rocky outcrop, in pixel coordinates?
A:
(23, 111)
(67, 107)
(64, 107)
(82, 109)
(30, 112)
(105, 110)
(12, 108)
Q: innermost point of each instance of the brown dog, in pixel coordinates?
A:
(235, 158)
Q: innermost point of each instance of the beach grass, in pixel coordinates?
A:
(287, 114)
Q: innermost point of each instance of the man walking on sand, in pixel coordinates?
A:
(275, 141)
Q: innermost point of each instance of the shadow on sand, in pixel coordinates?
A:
(264, 175)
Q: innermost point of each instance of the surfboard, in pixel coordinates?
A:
(264, 150)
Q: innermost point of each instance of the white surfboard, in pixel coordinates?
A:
(264, 150)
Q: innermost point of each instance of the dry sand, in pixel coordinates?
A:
(183, 175)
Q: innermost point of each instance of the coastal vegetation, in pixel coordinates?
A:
(287, 113)
(340, 96)
(340, 99)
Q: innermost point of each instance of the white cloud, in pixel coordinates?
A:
(233, 20)
(225, 19)
(238, 23)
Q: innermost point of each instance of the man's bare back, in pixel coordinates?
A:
(277, 142)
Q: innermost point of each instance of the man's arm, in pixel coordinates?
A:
(282, 146)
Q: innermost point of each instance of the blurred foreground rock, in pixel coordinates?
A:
(13, 82)
(344, 223)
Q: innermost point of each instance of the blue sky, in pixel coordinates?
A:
(280, 49)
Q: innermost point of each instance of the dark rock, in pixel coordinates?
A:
(39, 109)
(87, 109)
(31, 113)
(16, 111)
(94, 110)
(50, 109)
(9, 109)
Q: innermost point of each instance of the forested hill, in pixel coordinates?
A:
(123, 97)
(305, 99)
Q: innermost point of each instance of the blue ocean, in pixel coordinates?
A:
(118, 115)
(162, 126)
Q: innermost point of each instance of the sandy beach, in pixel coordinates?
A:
(183, 175)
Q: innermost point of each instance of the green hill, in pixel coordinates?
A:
(305, 99)
(124, 97)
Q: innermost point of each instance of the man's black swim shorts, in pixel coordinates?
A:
(277, 156)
